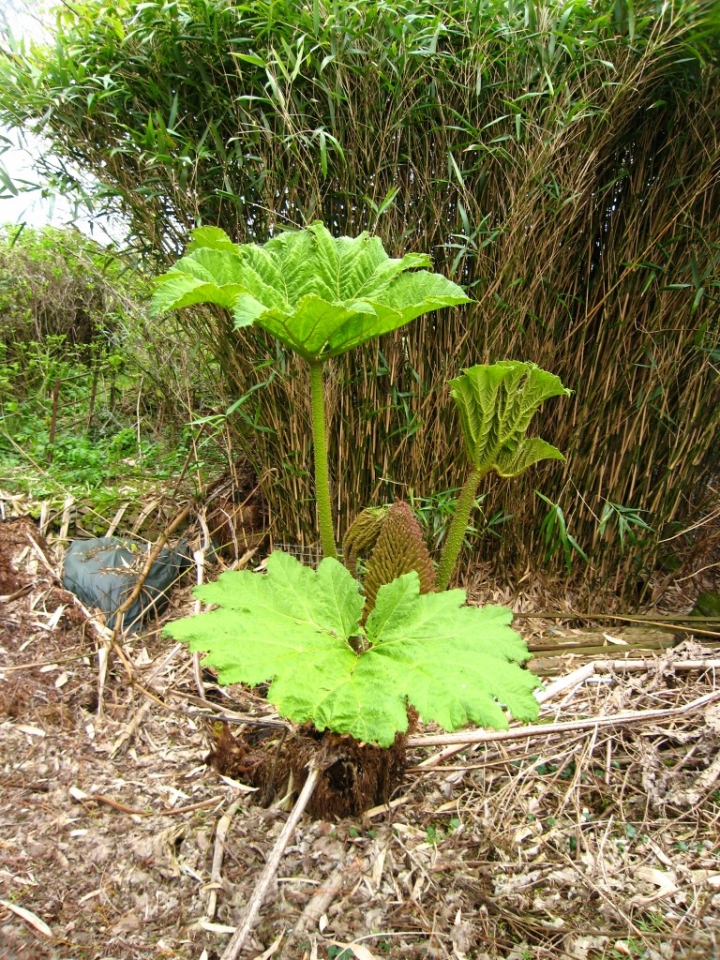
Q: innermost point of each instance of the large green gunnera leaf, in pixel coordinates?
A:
(496, 404)
(318, 294)
(455, 664)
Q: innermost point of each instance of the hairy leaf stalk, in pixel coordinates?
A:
(322, 479)
(456, 534)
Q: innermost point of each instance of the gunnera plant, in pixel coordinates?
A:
(338, 659)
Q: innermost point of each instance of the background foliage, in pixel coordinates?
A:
(72, 321)
(57, 283)
(562, 160)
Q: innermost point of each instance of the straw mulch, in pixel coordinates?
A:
(118, 841)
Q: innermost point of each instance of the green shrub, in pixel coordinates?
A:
(56, 285)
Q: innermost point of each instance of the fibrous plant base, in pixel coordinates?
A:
(356, 776)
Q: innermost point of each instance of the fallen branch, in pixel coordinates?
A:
(548, 729)
(218, 854)
(588, 670)
(671, 623)
(664, 619)
(130, 729)
(199, 558)
(564, 683)
(79, 796)
(633, 666)
(350, 866)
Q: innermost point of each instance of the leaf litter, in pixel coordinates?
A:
(119, 839)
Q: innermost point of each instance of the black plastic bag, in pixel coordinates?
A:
(103, 572)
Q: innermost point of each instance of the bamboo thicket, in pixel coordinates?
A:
(560, 160)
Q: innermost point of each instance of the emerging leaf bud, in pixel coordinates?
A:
(400, 548)
(362, 535)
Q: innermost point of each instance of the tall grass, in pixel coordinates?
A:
(562, 160)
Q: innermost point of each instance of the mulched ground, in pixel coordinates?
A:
(119, 842)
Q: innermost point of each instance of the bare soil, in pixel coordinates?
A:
(118, 841)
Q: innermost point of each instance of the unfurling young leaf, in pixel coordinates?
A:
(294, 626)
(496, 404)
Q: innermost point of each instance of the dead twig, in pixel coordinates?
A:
(237, 940)
(152, 557)
(111, 644)
(349, 866)
(574, 679)
(693, 623)
(565, 683)
(86, 798)
(130, 729)
(133, 725)
(218, 854)
(199, 558)
(546, 729)
(639, 666)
